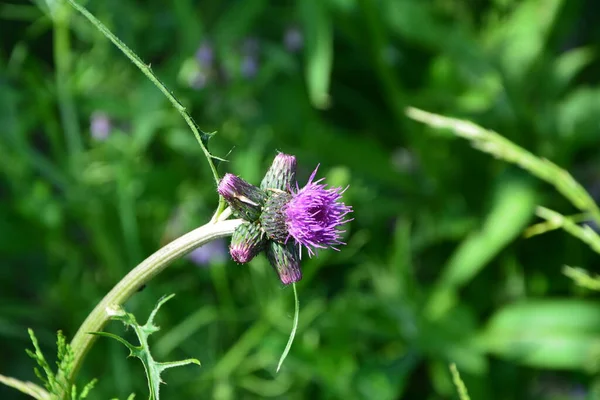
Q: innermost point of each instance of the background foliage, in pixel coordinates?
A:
(98, 170)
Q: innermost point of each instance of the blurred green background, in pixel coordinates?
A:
(97, 171)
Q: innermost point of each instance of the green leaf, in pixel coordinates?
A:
(577, 117)
(521, 36)
(513, 207)
(153, 368)
(237, 22)
(569, 64)
(319, 50)
(53, 381)
(555, 334)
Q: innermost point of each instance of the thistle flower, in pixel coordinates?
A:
(283, 218)
(314, 213)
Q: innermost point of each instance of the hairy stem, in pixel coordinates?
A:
(136, 278)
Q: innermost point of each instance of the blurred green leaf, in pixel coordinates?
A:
(316, 22)
(577, 122)
(561, 334)
(513, 206)
(521, 36)
(569, 64)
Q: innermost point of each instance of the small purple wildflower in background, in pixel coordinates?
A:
(281, 218)
(293, 40)
(314, 214)
(250, 51)
(211, 252)
(249, 67)
(100, 125)
(205, 55)
(199, 73)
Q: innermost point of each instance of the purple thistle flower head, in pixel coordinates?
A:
(314, 213)
(279, 211)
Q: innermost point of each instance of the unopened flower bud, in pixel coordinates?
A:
(282, 174)
(285, 260)
(247, 241)
(245, 199)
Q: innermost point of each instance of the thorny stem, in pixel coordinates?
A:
(136, 278)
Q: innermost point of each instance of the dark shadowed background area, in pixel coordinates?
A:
(98, 170)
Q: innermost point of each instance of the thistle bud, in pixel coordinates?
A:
(285, 260)
(282, 174)
(247, 241)
(245, 199)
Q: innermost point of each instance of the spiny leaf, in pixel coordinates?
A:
(152, 368)
(132, 349)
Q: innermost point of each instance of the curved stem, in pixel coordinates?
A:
(137, 277)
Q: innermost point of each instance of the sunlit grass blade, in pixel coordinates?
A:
(582, 278)
(585, 233)
(502, 148)
(547, 226)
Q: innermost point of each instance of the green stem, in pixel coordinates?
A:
(146, 70)
(140, 275)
